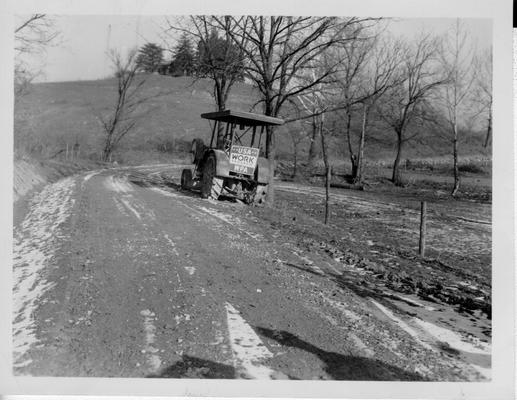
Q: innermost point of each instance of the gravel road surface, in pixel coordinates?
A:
(118, 273)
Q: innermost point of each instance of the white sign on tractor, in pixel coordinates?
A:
(243, 160)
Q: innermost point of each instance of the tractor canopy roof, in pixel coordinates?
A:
(242, 118)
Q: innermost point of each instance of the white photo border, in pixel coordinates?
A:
(502, 383)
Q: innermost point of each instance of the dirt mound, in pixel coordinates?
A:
(26, 176)
(30, 175)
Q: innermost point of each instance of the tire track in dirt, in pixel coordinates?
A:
(79, 338)
(88, 176)
(189, 328)
(246, 361)
(121, 186)
(177, 342)
(234, 229)
(247, 349)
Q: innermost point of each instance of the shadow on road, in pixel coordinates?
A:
(302, 268)
(196, 368)
(341, 367)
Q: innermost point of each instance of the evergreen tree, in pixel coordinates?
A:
(219, 58)
(183, 61)
(150, 57)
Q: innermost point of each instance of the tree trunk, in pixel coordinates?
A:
(355, 166)
(396, 177)
(219, 142)
(328, 177)
(353, 157)
(270, 155)
(312, 146)
(106, 152)
(455, 161)
(359, 168)
(295, 166)
(489, 128)
(221, 105)
(328, 170)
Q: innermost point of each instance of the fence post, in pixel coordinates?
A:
(423, 220)
(328, 177)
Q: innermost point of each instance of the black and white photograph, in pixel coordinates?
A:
(201, 198)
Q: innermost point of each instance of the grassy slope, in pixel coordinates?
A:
(55, 114)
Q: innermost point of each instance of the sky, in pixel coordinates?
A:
(80, 53)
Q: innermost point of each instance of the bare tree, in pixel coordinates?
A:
(354, 57)
(456, 60)
(326, 161)
(365, 70)
(34, 32)
(311, 155)
(119, 122)
(32, 35)
(278, 49)
(317, 101)
(405, 103)
(376, 77)
(482, 93)
(23, 77)
(297, 137)
(218, 57)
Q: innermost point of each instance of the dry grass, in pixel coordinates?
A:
(54, 115)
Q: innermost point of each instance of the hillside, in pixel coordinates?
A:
(54, 115)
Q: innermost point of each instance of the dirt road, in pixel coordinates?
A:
(119, 273)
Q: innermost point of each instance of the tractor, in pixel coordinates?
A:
(233, 165)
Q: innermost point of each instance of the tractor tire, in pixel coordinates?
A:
(197, 150)
(186, 179)
(211, 186)
(260, 194)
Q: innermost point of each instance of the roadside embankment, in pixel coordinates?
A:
(30, 176)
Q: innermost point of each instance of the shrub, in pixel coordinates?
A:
(471, 167)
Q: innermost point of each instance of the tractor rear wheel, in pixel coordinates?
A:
(197, 150)
(186, 178)
(211, 186)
